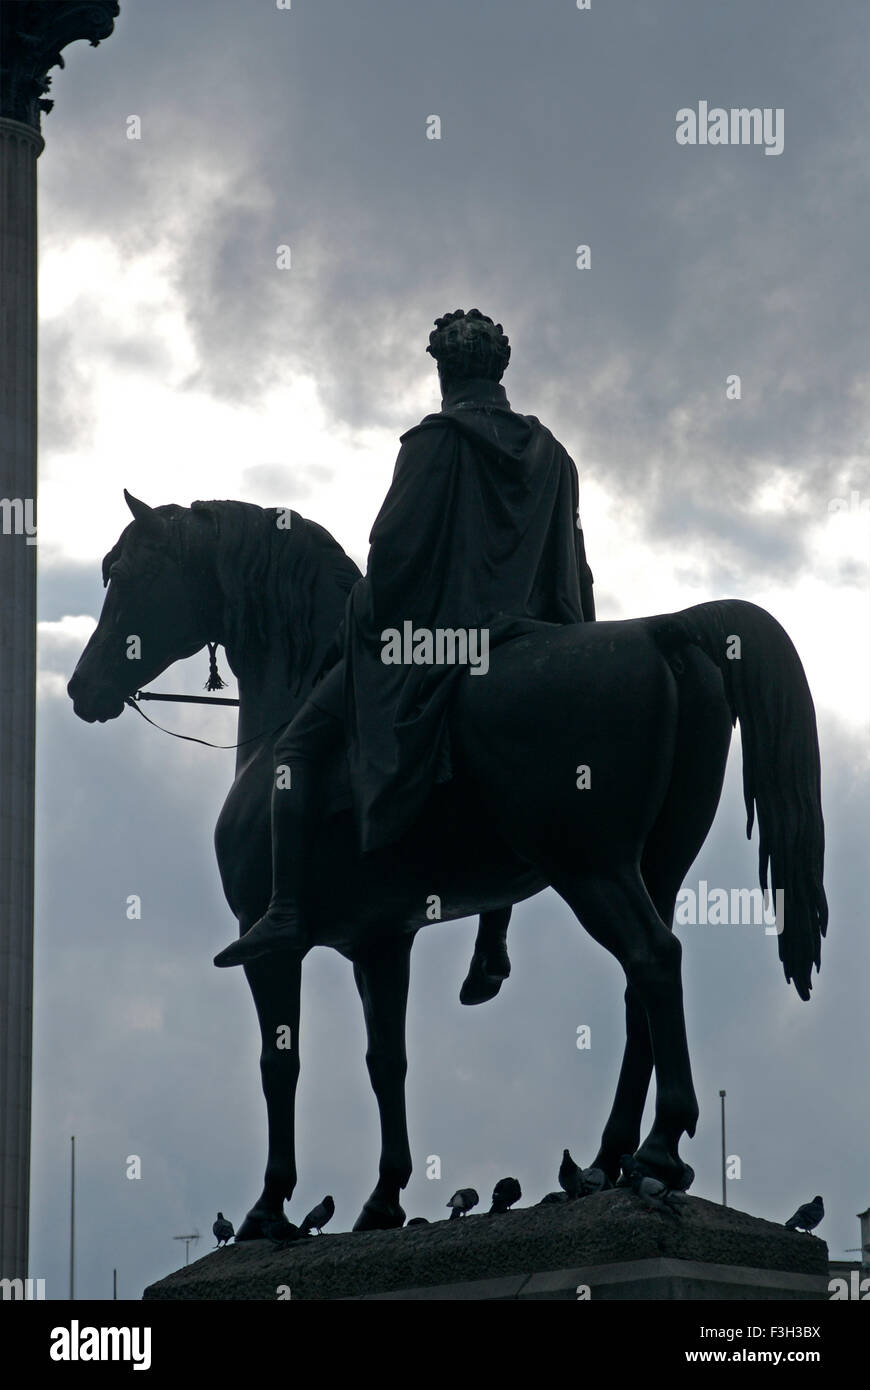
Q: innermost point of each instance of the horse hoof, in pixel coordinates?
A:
(686, 1180)
(261, 1224)
(676, 1175)
(378, 1215)
(486, 975)
(479, 988)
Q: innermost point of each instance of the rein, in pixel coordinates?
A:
(132, 701)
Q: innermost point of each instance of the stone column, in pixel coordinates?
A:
(31, 38)
(19, 147)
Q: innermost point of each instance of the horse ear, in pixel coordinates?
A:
(151, 522)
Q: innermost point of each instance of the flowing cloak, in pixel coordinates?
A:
(479, 530)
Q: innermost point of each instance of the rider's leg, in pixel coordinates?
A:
(299, 757)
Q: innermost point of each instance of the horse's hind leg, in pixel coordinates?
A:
(619, 913)
(382, 976)
(703, 734)
(622, 1131)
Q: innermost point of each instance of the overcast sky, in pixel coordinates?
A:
(179, 361)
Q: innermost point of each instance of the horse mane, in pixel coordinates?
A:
(268, 561)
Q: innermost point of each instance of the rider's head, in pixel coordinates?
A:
(468, 345)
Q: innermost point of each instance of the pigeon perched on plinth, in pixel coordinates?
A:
(807, 1217)
(632, 1171)
(554, 1199)
(580, 1182)
(222, 1229)
(570, 1175)
(417, 1221)
(318, 1217)
(593, 1180)
(655, 1194)
(462, 1201)
(504, 1194)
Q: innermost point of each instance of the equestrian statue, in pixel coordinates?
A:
(456, 731)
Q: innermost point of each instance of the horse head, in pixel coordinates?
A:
(160, 607)
(258, 580)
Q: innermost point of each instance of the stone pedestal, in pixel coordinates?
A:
(610, 1245)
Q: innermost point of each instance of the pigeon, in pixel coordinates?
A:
(553, 1199)
(318, 1217)
(807, 1217)
(580, 1182)
(417, 1221)
(633, 1172)
(462, 1201)
(504, 1194)
(643, 1184)
(593, 1180)
(655, 1194)
(570, 1175)
(223, 1229)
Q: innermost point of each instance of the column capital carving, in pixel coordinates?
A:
(17, 133)
(32, 35)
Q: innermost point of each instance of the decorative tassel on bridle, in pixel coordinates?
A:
(214, 681)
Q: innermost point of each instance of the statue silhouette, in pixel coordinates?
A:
(646, 705)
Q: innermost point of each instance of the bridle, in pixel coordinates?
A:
(133, 702)
(182, 559)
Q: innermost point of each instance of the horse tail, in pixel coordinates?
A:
(767, 692)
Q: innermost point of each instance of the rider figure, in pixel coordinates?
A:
(479, 534)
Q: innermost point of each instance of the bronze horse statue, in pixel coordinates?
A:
(646, 706)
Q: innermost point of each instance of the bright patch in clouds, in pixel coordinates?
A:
(59, 645)
(167, 442)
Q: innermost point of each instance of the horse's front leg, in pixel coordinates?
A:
(275, 983)
(490, 964)
(382, 976)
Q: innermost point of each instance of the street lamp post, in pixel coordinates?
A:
(722, 1101)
